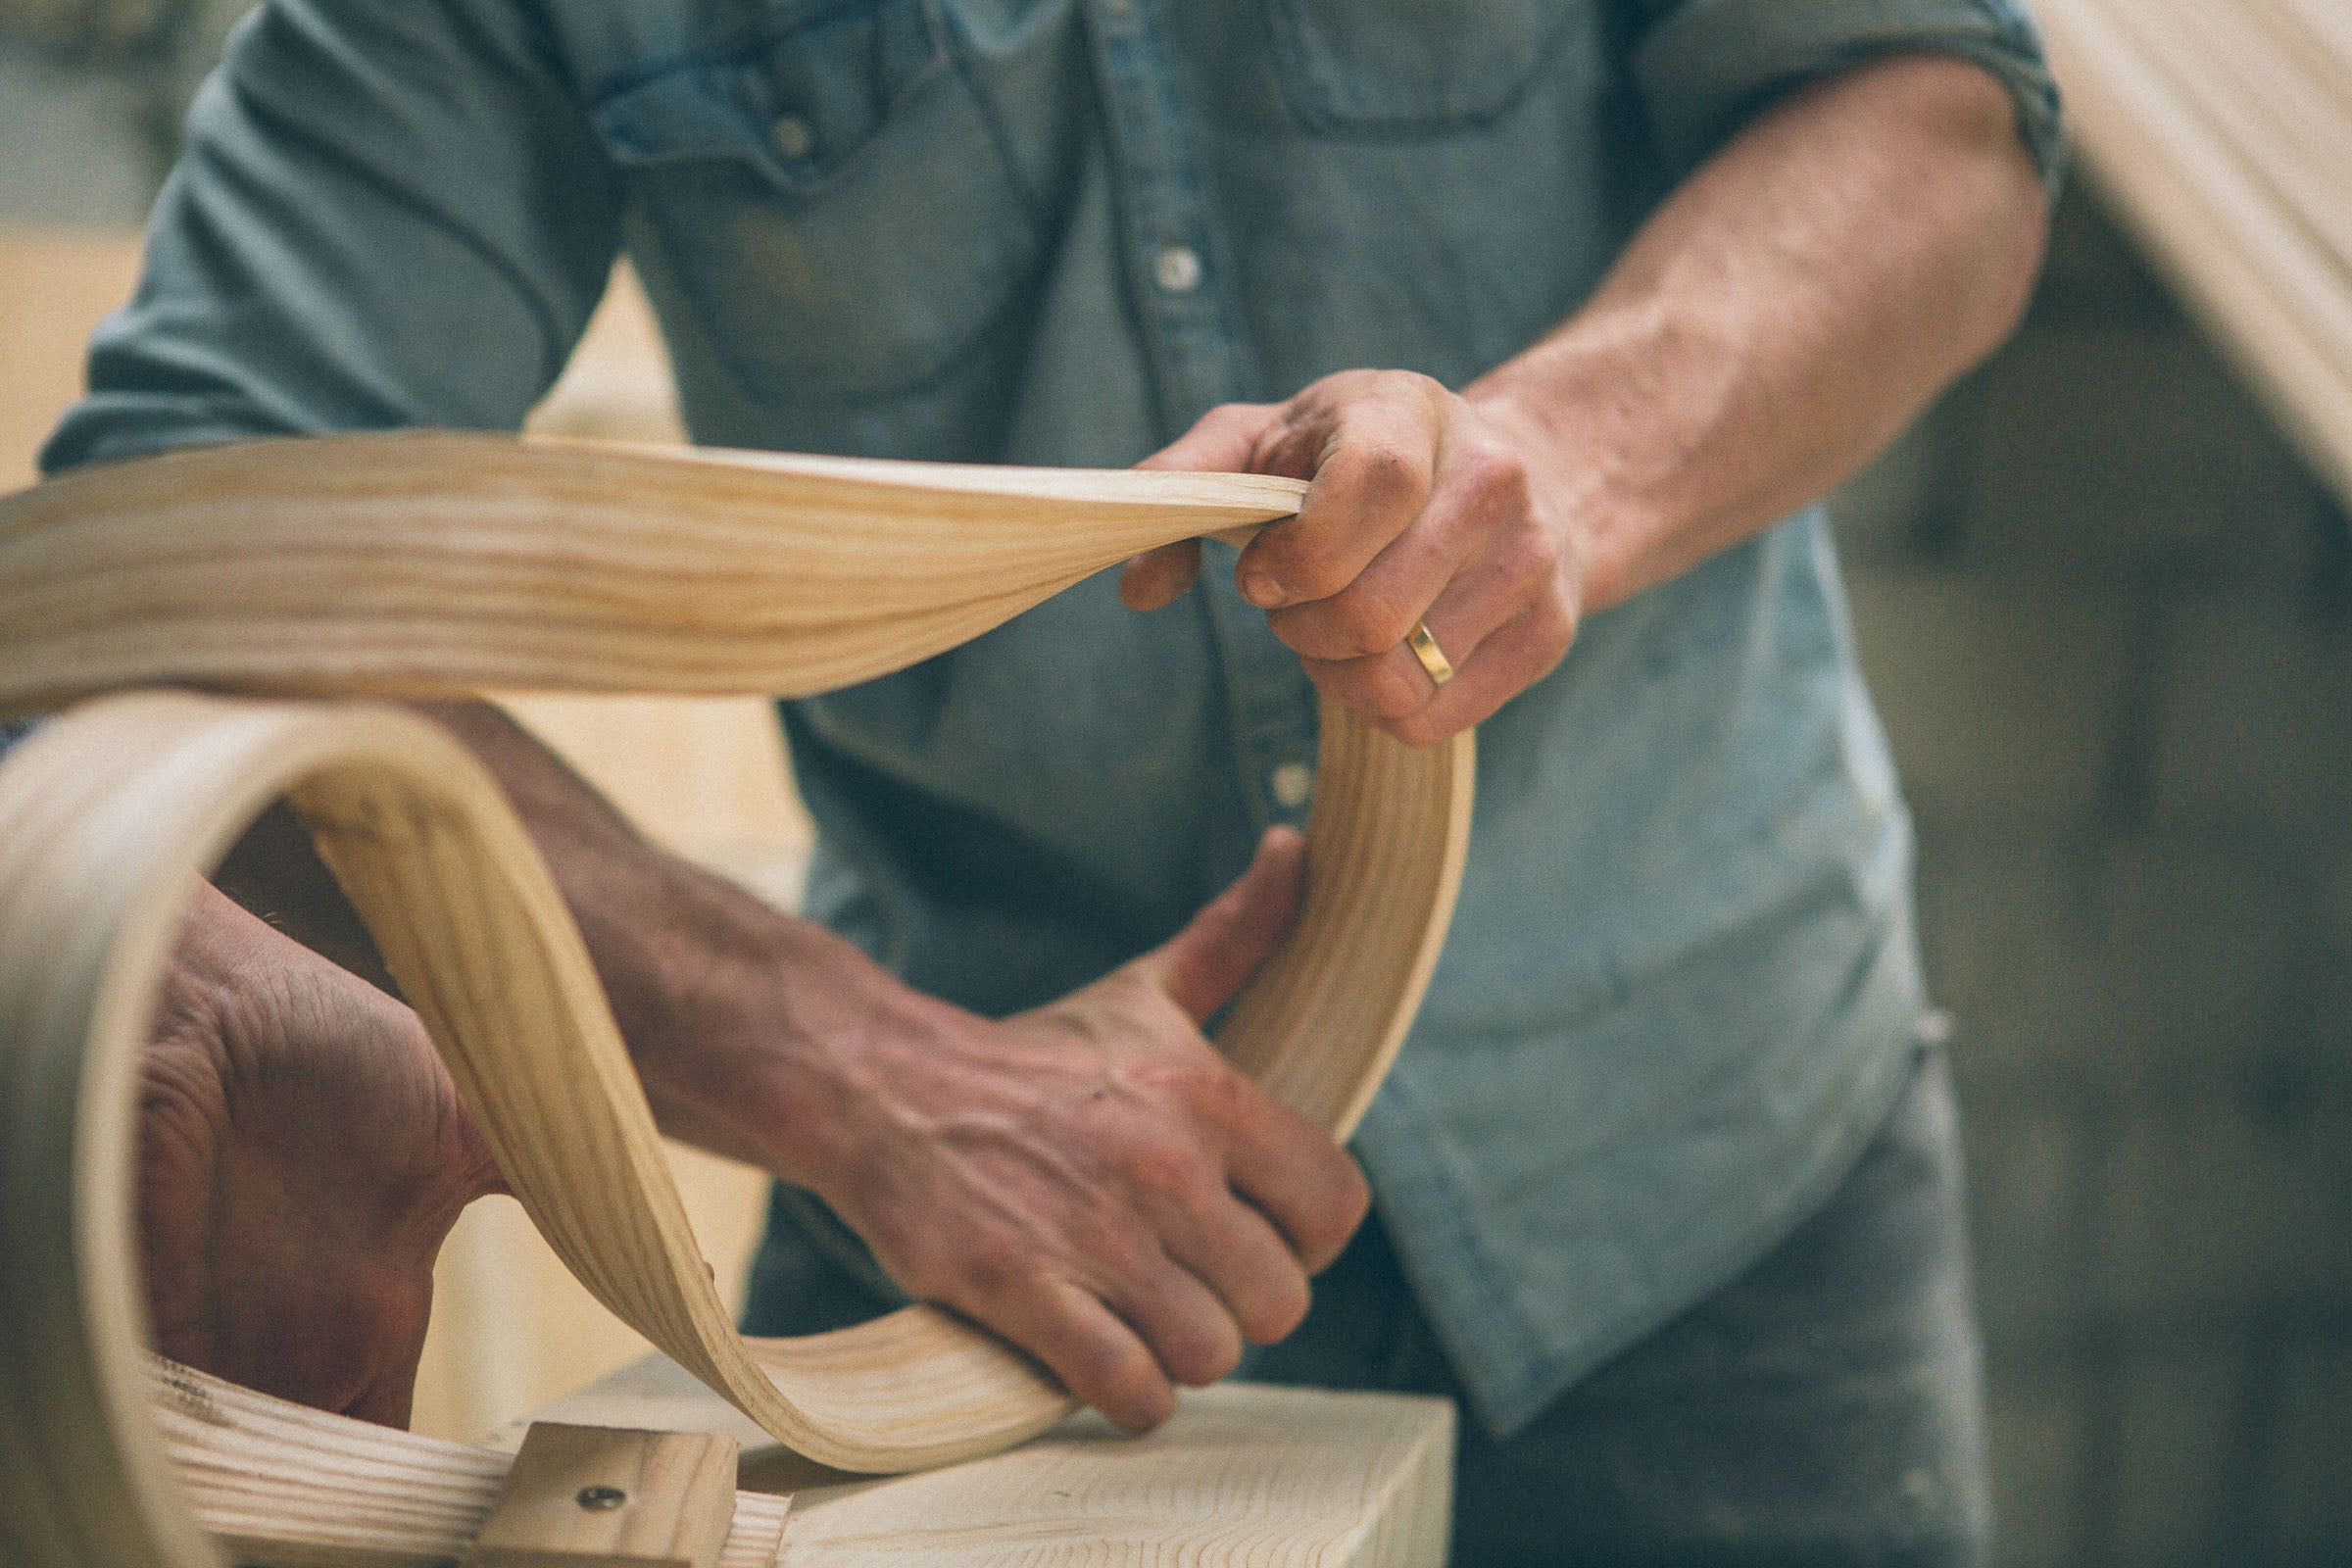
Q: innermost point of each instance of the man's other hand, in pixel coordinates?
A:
(302, 1154)
(1092, 1181)
(1425, 507)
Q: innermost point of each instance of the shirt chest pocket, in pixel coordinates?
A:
(829, 201)
(1404, 65)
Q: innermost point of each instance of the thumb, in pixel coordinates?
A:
(1220, 441)
(1160, 578)
(1203, 965)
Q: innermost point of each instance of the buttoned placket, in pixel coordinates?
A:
(1170, 256)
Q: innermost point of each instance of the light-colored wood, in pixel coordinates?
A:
(581, 1495)
(512, 1329)
(1267, 1478)
(441, 564)
(283, 1487)
(1241, 1475)
(2222, 135)
(435, 563)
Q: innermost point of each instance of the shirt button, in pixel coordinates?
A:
(1177, 269)
(1293, 782)
(790, 137)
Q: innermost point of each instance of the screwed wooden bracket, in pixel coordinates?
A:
(581, 1495)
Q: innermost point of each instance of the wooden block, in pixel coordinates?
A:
(607, 1495)
(1241, 1475)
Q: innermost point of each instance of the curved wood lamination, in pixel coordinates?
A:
(432, 564)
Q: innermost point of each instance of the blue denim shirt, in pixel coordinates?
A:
(1681, 982)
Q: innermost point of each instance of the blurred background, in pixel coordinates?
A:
(2104, 593)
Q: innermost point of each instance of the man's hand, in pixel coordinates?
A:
(1092, 1180)
(1788, 310)
(1425, 507)
(302, 1154)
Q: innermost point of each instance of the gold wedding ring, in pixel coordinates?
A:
(1432, 657)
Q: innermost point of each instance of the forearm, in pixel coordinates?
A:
(742, 1021)
(1781, 317)
(1091, 1180)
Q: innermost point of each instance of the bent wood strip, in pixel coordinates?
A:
(107, 817)
(436, 565)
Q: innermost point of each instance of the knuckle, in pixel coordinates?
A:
(1413, 384)
(1497, 477)
(1390, 477)
(1216, 1092)
(986, 1270)
(1555, 626)
(1368, 622)
(1167, 1168)
(1389, 692)
(1532, 555)
(1309, 571)
(1326, 1226)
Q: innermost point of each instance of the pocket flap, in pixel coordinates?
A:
(687, 114)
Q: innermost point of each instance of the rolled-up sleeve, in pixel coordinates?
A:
(387, 214)
(1702, 67)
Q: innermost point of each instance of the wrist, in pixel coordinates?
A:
(758, 1036)
(1559, 420)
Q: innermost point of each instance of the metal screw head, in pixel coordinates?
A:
(602, 1497)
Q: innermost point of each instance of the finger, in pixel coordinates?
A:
(1160, 578)
(1479, 523)
(1520, 652)
(1220, 441)
(1379, 610)
(1375, 459)
(1188, 1328)
(1235, 1251)
(1095, 1352)
(1296, 1175)
(1203, 965)
(1394, 683)
(388, 1399)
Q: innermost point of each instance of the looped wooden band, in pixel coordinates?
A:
(433, 565)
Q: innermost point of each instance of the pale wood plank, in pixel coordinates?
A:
(1241, 1475)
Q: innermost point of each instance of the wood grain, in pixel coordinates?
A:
(582, 1496)
(446, 563)
(283, 1487)
(2222, 135)
(1240, 1476)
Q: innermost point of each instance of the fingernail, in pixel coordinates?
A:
(1262, 590)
